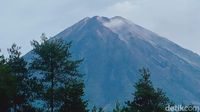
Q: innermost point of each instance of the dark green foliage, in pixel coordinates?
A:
(19, 71)
(52, 61)
(29, 108)
(15, 86)
(7, 86)
(7, 91)
(146, 98)
(71, 97)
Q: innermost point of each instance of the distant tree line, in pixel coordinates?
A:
(51, 82)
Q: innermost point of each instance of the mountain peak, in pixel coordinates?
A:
(106, 19)
(99, 19)
(123, 28)
(116, 21)
(103, 19)
(119, 18)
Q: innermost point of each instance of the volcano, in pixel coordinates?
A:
(115, 48)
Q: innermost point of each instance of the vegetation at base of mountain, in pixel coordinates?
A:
(60, 85)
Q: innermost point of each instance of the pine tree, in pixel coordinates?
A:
(20, 72)
(16, 87)
(7, 85)
(146, 98)
(53, 61)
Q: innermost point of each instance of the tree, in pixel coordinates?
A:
(53, 61)
(7, 86)
(15, 85)
(146, 98)
(20, 72)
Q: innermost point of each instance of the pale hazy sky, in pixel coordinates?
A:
(24, 20)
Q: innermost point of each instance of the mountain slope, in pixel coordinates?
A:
(115, 48)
